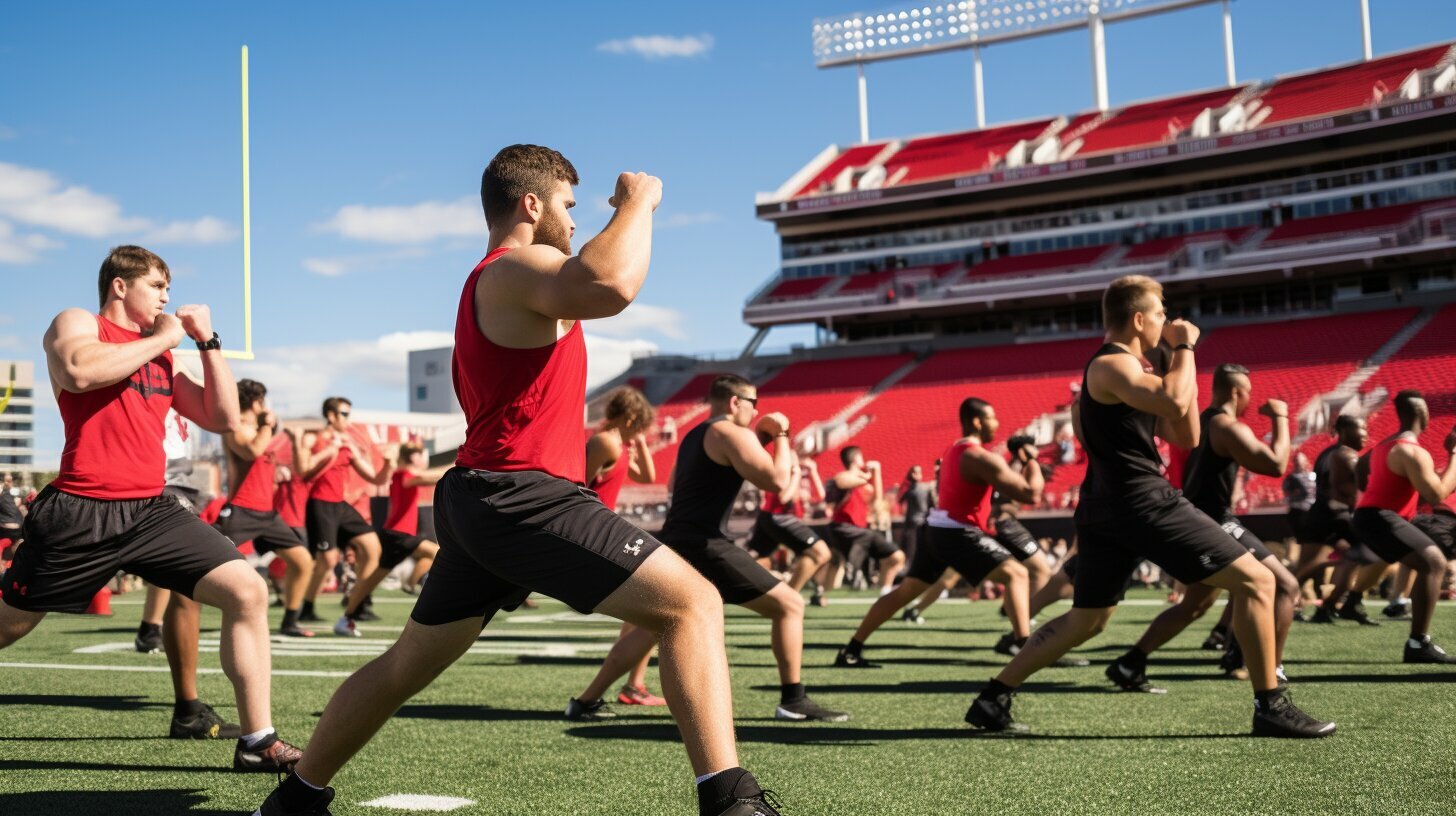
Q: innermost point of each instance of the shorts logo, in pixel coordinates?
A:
(1234, 529)
(226, 511)
(1205, 560)
(634, 548)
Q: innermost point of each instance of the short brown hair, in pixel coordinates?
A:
(333, 405)
(1124, 298)
(128, 263)
(631, 407)
(407, 450)
(727, 386)
(516, 171)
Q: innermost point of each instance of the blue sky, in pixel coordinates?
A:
(371, 122)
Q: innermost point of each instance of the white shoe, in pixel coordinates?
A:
(346, 628)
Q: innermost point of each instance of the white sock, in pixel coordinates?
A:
(886, 591)
(707, 776)
(251, 741)
(306, 782)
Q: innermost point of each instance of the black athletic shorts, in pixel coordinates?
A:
(395, 547)
(855, 543)
(503, 536)
(728, 567)
(1016, 538)
(773, 529)
(1383, 531)
(1236, 529)
(1160, 526)
(972, 553)
(332, 524)
(1325, 526)
(266, 530)
(74, 545)
(1439, 528)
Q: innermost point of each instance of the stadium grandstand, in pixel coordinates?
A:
(1305, 222)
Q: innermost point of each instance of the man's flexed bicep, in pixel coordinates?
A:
(78, 361)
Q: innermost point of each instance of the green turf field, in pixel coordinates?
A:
(88, 741)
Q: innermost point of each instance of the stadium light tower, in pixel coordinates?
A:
(916, 29)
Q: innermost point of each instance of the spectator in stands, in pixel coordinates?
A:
(1066, 445)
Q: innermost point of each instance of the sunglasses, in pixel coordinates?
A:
(750, 400)
(344, 414)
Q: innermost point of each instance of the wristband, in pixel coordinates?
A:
(1188, 346)
(1281, 416)
(209, 345)
(784, 434)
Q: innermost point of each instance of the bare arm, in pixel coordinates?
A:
(79, 362)
(986, 467)
(877, 482)
(362, 463)
(847, 480)
(318, 462)
(741, 448)
(1414, 462)
(1344, 485)
(602, 453)
(642, 469)
(213, 403)
(1120, 378)
(1237, 441)
(249, 442)
(415, 478)
(816, 484)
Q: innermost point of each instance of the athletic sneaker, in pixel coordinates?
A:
(1425, 651)
(993, 713)
(1009, 644)
(1129, 678)
(596, 710)
(1280, 717)
(1397, 610)
(818, 599)
(273, 756)
(205, 724)
(766, 803)
(346, 628)
(294, 630)
(366, 613)
(149, 641)
(1356, 612)
(849, 660)
(639, 695)
(1216, 641)
(1322, 615)
(912, 615)
(805, 709)
(308, 615)
(1071, 662)
(273, 805)
(1231, 662)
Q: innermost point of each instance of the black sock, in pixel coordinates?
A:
(290, 618)
(148, 628)
(724, 787)
(307, 608)
(1266, 696)
(186, 708)
(996, 688)
(854, 647)
(791, 692)
(297, 794)
(1136, 658)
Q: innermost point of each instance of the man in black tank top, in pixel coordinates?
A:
(1129, 512)
(1328, 526)
(712, 462)
(1226, 443)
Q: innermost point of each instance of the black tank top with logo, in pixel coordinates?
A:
(1123, 465)
(1209, 480)
(702, 492)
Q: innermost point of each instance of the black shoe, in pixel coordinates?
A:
(1009, 644)
(818, 599)
(994, 714)
(1322, 615)
(1129, 678)
(594, 711)
(766, 803)
(1396, 611)
(294, 630)
(149, 641)
(273, 805)
(1425, 651)
(912, 615)
(307, 615)
(1299, 617)
(1216, 641)
(1071, 662)
(1232, 660)
(205, 724)
(806, 710)
(1356, 613)
(366, 615)
(849, 660)
(1280, 717)
(273, 756)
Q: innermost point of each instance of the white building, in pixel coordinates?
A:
(17, 419)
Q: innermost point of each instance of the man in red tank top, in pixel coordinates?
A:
(514, 517)
(114, 381)
(849, 530)
(959, 531)
(331, 520)
(401, 538)
(780, 523)
(252, 459)
(1396, 475)
(614, 454)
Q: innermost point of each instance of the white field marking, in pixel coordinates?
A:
(329, 646)
(418, 801)
(161, 669)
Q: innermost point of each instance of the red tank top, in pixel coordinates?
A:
(329, 484)
(771, 504)
(256, 492)
(523, 407)
(404, 505)
(854, 509)
(1386, 490)
(291, 499)
(114, 434)
(609, 485)
(965, 502)
(1177, 464)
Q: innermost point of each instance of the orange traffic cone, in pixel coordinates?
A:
(101, 604)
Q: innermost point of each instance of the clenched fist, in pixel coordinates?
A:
(196, 321)
(169, 328)
(1275, 408)
(773, 424)
(637, 187)
(1180, 331)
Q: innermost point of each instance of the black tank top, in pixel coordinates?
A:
(702, 492)
(1324, 501)
(1209, 481)
(1122, 460)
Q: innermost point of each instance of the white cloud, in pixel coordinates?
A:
(18, 248)
(675, 220)
(339, 265)
(205, 230)
(37, 198)
(328, 267)
(639, 319)
(606, 357)
(410, 224)
(659, 46)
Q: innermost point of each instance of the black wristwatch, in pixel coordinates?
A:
(1188, 346)
(209, 345)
